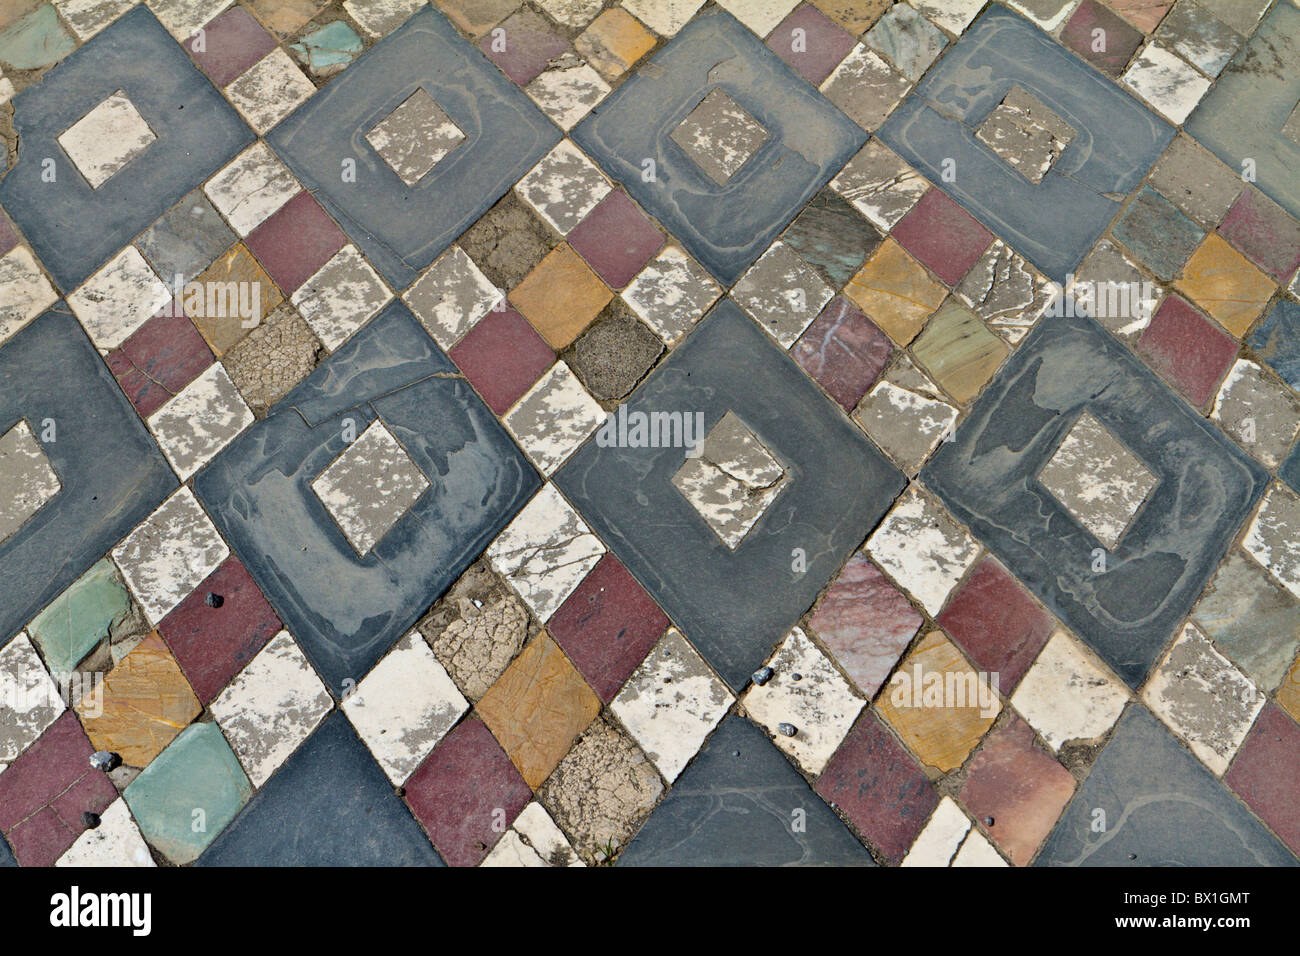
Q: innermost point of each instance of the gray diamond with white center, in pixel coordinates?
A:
(1026, 134)
(106, 139)
(719, 136)
(27, 482)
(370, 487)
(733, 481)
(415, 137)
(1098, 480)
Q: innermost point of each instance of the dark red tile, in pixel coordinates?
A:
(46, 790)
(159, 359)
(1264, 232)
(1189, 351)
(942, 236)
(1018, 787)
(616, 239)
(1266, 773)
(1120, 38)
(607, 626)
(523, 45)
(502, 357)
(817, 50)
(458, 790)
(212, 644)
(8, 238)
(295, 242)
(844, 351)
(995, 621)
(229, 45)
(874, 781)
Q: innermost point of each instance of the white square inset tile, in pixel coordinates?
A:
(806, 705)
(106, 139)
(202, 419)
(269, 90)
(29, 698)
(671, 293)
(451, 297)
(545, 552)
(553, 418)
(923, 549)
(563, 187)
(27, 481)
(672, 701)
(404, 706)
(719, 136)
(271, 707)
(252, 187)
(415, 137)
(567, 91)
(119, 298)
(24, 291)
(170, 554)
(342, 296)
(1069, 695)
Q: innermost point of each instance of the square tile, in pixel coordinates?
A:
(251, 188)
(1006, 292)
(782, 293)
(110, 470)
(1261, 415)
(1252, 619)
(502, 356)
(534, 840)
(380, 17)
(1026, 134)
(1226, 285)
(1125, 137)
(1268, 537)
(202, 419)
(895, 292)
(1265, 772)
(370, 487)
(665, 17)
(75, 228)
(228, 298)
(865, 87)
(230, 44)
(959, 351)
(388, 220)
(1276, 340)
(942, 236)
(564, 187)
(832, 236)
(943, 836)
(1178, 814)
(553, 418)
(1068, 697)
(451, 297)
(1018, 790)
(32, 699)
(614, 42)
(1166, 82)
(546, 552)
(415, 137)
(638, 120)
(341, 297)
(97, 605)
(865, 622)
(119, 298)
(462, 789)
(943, 726)
(1195, 181)
(26, 291)
(739, 769)
(344, 609)
(617, 239)
(1189, 351)
(923, 549)
(671, 293)
(671, 703)
(295, 241)
(734, 604)
(198, 771)
(568, 90)
(116, 841)
(88, 17)
(159, 359)
(906, 415)
(607, 626)
(27, 477)
(530, 43)
(810, 42)
(106, 139)
(561, 296)
(1199, 37)
(404, 707)
(910, 41)
(843, 351)
(1128, 612)
(1265, 232)
(876, 783)
(719, 136)
(1118, 40)
(1157, 233)
(538, 708)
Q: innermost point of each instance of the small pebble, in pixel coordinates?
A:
(214, 600)
(91, 820)
(762, 675)
(104, 760)
(787, 730)
(796, 676)
(988, 821)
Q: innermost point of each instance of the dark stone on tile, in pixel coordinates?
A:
(733, 806)
(735, 605)
(402, 229)
(111, 471)
(1163, 808)
(6, 854)
(329, 805)
(73, 229)
(347, 610)
(1117, 139)
(987, 476)
(726, 227)
(613, 355)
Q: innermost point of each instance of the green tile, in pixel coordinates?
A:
(189, 793)
(328, 49)
(81, 617)
(1251, 619)
(959, 351)
(36, 40)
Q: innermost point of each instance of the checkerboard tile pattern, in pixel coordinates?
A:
(509, 459)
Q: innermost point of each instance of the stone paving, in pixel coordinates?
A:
(649, 432)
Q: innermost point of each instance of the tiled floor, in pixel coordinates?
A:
(588, 432)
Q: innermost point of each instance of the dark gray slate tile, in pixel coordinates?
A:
(111, 471)
(735, 605)
(1054, 223)
(1162, 807)
(344, 609)
(1206, 488)
(329, 805)
(734, 806)
(1243, 114)
(186, 240)
(1157, 232)
(73, 228)
(402, 229)
(726, 227)
(6, 854)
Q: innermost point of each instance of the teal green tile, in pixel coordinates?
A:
(328, 49)
(35, 41)
(81, 616)
(189, 793)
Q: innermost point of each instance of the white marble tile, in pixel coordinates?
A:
(204, 417)
(251, 188)
(923, 549)
(119, 298)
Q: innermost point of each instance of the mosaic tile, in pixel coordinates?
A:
(116, 841)
(1242, 17)
(295, 242)
(553, 418)
(1118, 40)
(831, 236)
(1048, 14)
(561, 296)
(1199, 37)
(1005, 291)
(943, 835)
(919, 545)
(273, 358)
(671, 293)
(895, 292)
(380, 17)
(328, 50)
(1195, 181)
(476, 629)
(1260, 415)
(1262, 230)
(865, 87)
(614, 354)
(1225, 284)
(1276, 340)
(1025, 134)
(533, 840)
(119, 298)
(159, 359)
(27, 293)
(909, 40)
(201, 420)
(810, 42)
(74, 623)
(843, 351)
(186, 240)
(665, 17)
(28, 478)
(1267, 537)
(502, 356)
(1264, 773)
(88, 17)
(1067, 696)
(1251, 619)
(253, 187)
(230, 44)
(568, 90)
(905, 414)
(1157, 233)
(614, 42)
(880, 185)
(35, 41)
(32, 701)
(959, 351)
(1189, 351)
(782, 293)
(530, 44)
(617, 239)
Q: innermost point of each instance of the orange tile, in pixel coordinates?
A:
(614, 41)
(561, 296)
(1225, 284)
(215, 309)
(896, 292)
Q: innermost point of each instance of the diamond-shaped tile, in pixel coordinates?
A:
(1026, 134)
(1098, 480)
(103, 141)
(27, 482)
(415, 137)
(369, 487)
(720, 136)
